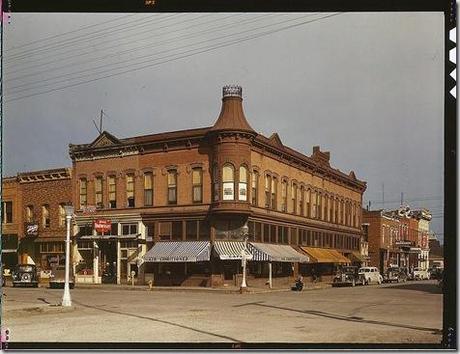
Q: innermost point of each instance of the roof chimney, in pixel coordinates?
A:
(231, 114)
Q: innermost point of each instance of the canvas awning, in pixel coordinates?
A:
(228, 250)
(356, 257)
(276, 253)
(179, 251)
(324, 255)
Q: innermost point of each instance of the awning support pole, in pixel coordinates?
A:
(270, 274)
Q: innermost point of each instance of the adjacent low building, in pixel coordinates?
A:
(172, 207)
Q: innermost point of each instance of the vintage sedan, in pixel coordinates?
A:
(394, 274)
(57, 277)
(371, 275)
(348, 275)
(25, 275)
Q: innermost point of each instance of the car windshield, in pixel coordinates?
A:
(364, 270)
(25, 268)
(417, 269)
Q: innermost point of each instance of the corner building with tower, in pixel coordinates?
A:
(179, 202)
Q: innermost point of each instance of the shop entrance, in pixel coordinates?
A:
(108, 261)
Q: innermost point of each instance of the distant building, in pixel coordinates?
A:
(436, 257)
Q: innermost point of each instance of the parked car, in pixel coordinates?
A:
(26, 275)
(420, 274)
(371, 275)
(394, 274)
(435, 273)
(57, 277)
(348, 275)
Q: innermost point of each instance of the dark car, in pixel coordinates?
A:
(347, 275)
(57, 277)
(26, 275)
(394, 274)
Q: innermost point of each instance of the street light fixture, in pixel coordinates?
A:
(245, 230)
(66, 301)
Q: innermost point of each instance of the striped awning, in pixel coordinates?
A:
(324, 255)
(179, 251)
(276, 253)
(228, 250)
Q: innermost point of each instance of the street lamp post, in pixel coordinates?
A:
(66, 301)
(243, 256)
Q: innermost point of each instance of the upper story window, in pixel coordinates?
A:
(254, 188)
(46, 216)
(197, 185)
(319, 199)
(294, 198)
(148, 189)
(129, 229)
(284, 196)
(99, 192)
(274, 192)
(61, 215)
(301, 201)
(308, 200)
(215, 180)
(30, 213)
(172, 187)
(313, 204)
(268, 183)
(7, 212)
(228, 178)
(112, 186)
(83, 192)
(325, 209)
(130, 190)
(243, 184)
(331, 209)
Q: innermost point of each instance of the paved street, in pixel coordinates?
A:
(397, 313)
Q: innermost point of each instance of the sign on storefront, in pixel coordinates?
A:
(88, 209)
(103, 226)
(31, 229)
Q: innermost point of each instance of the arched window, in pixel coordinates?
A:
(254, 189)
(228, 179)
(197, 185)
(284, 196)
(294, 198)
(307, 197)
(243, 184)
(172, 187)
(301, 200)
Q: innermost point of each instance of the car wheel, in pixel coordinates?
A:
(71, 286)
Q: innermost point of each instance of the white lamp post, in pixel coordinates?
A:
(66, 301)
(245, 230)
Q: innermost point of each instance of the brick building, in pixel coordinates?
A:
(398, 237)
(178, 203)
(11, 220)
(37, 231)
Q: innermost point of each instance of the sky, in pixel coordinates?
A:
(368, 87)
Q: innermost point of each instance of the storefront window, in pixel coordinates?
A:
(257, 232)
(191, 230)
(205, 230)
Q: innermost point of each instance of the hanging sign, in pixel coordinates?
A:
(103, 225)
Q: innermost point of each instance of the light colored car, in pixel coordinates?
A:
(57, 277)
(420, 274)
(370, 275)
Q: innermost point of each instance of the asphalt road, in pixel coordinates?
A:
(398, 313)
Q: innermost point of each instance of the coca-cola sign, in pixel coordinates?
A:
(103, 225)
(31, 229)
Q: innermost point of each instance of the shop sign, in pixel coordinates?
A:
(403, 243)
(103, 225)
(88, 209)
(31, 229)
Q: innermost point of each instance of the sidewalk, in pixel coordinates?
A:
(226, 290)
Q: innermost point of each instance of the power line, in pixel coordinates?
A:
(127, 51)
(200, 50)
(66, 33)
(71, 41)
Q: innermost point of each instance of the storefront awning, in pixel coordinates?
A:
(324, 255)
(276, 253)
(177, 251)
(228, 250)
(356, 257)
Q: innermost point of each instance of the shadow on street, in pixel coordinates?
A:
(428, 288)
